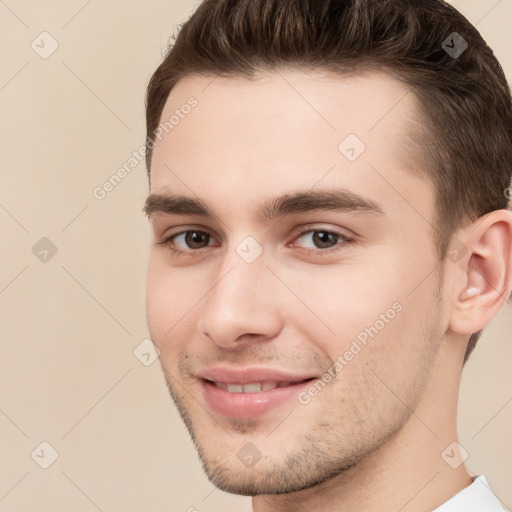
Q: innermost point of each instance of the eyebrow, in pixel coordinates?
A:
(339, 199)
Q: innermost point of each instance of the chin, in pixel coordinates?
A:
(268, 477)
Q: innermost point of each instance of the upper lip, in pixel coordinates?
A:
(250, 375)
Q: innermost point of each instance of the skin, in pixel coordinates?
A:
(372, 439)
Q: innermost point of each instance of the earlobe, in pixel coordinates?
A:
(487, 267)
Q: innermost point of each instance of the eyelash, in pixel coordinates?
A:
(345, 240)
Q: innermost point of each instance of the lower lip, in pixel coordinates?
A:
(248, 405)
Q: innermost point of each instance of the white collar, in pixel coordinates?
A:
(477, 497)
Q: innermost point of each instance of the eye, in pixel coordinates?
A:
(322, 241)
(314, 242)
(187, 242)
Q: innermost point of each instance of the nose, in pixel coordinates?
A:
(242, 305)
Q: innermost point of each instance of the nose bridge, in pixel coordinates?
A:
(242, 299)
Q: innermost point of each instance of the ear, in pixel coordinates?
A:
(483, 287)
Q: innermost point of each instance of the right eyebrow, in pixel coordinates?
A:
(173, 204)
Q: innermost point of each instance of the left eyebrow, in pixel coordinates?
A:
(339, 199)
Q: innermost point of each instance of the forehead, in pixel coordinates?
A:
(286, 130)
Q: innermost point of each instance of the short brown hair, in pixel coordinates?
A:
(465, 137)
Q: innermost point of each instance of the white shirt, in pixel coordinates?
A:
(477, 497)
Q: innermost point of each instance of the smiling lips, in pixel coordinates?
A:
(254, 387)
(249, 392)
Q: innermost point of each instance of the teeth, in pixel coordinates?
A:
(267, 386)
(253, 387)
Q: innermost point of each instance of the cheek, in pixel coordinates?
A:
(366, 311)
(343, 300)
(169, 304)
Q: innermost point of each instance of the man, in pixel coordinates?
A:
(329, 188)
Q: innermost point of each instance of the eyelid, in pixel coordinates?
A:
(180, 230)
(307, 228)
(345, 240)
(167, 240)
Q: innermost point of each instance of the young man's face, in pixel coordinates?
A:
(345, 289)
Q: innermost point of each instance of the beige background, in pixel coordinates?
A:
(69, 326)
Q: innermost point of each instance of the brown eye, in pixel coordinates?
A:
(323, 239)
(187, 242)
(196, 239)
(318, 239)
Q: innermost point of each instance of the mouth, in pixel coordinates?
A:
(250, 399)
(256, 387)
